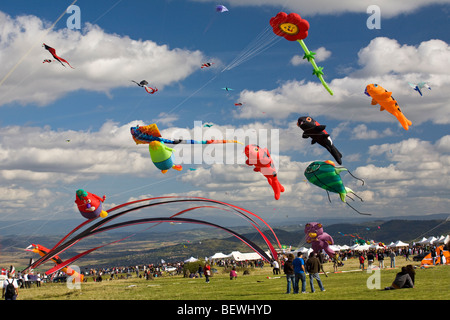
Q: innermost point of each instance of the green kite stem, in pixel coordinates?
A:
(316, 68)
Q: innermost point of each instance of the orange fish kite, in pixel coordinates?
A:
(384, 98)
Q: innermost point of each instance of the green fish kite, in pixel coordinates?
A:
(325, 175)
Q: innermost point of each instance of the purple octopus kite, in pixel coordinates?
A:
(319, 240)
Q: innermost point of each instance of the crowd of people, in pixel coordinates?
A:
(295, 268)
(146, 271)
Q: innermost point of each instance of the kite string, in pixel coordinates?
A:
(262, 42)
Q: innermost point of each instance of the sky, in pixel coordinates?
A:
(63, 129)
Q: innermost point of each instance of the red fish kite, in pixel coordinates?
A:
(261, 159)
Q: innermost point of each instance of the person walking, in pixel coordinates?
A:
(313, 267)
(407, 253)
(299, 272)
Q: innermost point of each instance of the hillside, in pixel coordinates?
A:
(151, 247)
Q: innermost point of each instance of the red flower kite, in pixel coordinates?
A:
(293, 28)
(290, 26)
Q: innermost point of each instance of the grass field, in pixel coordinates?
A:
(348, 284)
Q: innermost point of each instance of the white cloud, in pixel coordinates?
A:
(361, 132)
(385, 62)
(102, 61)
(388, 8)
(321, 55)
(35, 154)
(384, 56)
(417, 173)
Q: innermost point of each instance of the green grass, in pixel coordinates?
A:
(431, 284)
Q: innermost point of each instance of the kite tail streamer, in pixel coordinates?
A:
(317, 70)
(249, 243)
(95, 228)
(362, 213)
(356, 177)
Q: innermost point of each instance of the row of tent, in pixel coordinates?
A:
(235, 255)
(239, 256)
(434, 240)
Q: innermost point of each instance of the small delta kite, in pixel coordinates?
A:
(207, 65)
(144, 84)
(419, 86)
(53, 53)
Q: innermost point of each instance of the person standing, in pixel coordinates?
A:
(380, 259)
(313, 267)
(10, 288)
(207, 272)
(299, 272)
(361, 261)
(392, 257)
(289, 271)
(38, 280)
(336, 261)
(322, 261)
(370, 258)
(433, 255)
(276, 267)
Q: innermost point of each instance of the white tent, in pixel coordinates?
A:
(362, 247)
(430, 240)
(238, 256)
(375, 246)
(219, 255)
(334, 247)
(422, 241)
(303, 250)
(344, 247)
(391, 245)
(443, 239)
(400, 243)
(191, 259)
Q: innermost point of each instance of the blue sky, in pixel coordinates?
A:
(165, 42)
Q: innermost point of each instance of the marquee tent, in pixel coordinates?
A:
(191, 259)
(334, 247)
(422, 241)
(303, 250)
(443, 239)
(430, 240)
(400, 243)
(219, 255)
(362, 247)
(238, 256)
